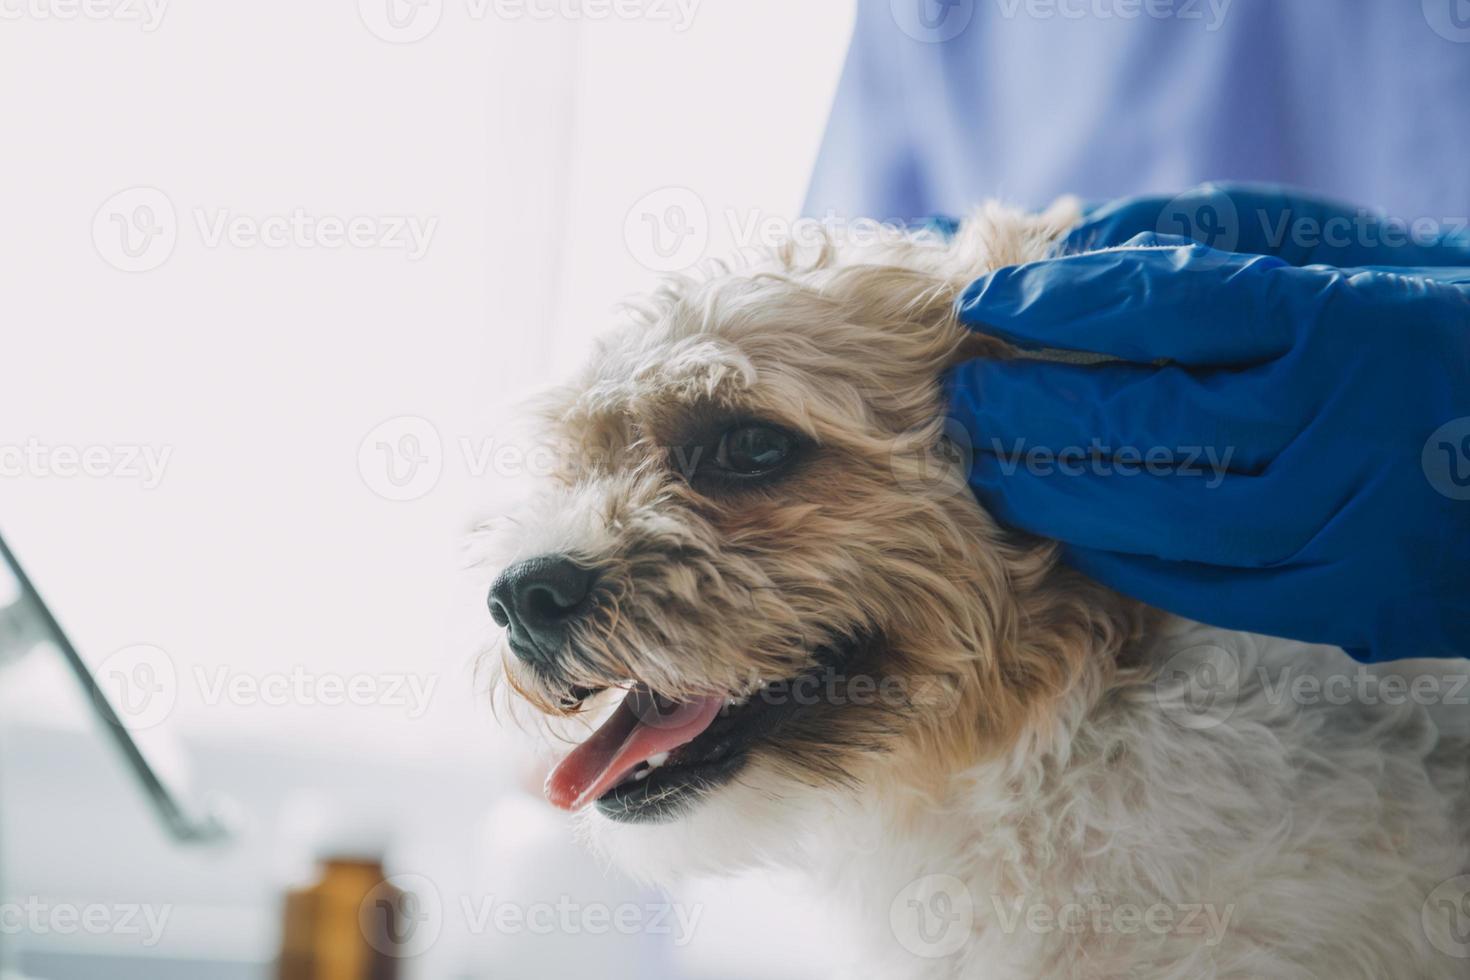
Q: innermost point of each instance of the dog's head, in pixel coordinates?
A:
(760, 546)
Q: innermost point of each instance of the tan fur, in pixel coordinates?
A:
(715, 595)
(1040, 748)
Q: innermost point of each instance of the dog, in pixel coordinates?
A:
(805, 645)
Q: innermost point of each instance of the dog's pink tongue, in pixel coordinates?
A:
(640, 727)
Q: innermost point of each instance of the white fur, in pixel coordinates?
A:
(1285, 841)
(1259, 838)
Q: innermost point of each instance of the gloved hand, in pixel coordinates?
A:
(1265, 220)
(1275, 449)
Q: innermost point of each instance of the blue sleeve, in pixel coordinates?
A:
(868, 165)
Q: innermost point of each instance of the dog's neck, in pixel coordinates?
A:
(975, 819)
(1040, 656)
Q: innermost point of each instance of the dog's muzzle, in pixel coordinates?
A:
(537, 601)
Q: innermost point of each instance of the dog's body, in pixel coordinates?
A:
(1006, 770)
(1191, 821)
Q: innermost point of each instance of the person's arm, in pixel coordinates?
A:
(1274, 449)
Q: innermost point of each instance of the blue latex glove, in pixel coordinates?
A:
(1267, 220)
(1310, 431)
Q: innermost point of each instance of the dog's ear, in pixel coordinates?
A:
(996, 235)
(908, 289)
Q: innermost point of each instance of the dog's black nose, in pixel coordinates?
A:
(537, 599)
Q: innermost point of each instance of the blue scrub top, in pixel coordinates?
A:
(943, 103)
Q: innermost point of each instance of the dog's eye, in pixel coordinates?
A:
(753, 450)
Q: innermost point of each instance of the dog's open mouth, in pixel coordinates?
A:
(654, 755)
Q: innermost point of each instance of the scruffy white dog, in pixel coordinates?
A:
(830, 658)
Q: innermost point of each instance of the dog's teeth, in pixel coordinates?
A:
(641, 774)
(654, 761)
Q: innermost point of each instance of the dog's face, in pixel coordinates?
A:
(758, 542)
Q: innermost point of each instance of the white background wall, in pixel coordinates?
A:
(267, 551)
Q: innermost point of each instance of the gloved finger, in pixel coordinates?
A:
(1206, 214)
(1145, 303)
(1245, 417)
(1183, 505)
(1451, 275)
(1266, 220)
